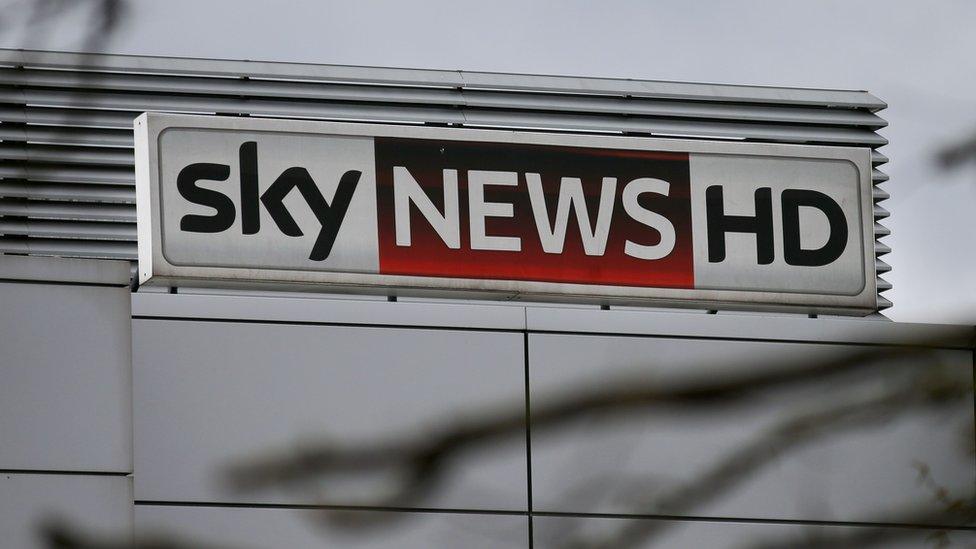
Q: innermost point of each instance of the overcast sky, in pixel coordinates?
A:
(919, 57)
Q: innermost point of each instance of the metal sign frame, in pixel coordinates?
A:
(155, 269)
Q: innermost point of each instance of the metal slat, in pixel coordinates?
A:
(69, 229)
(97, 249)
(878, 176)
(67, 117)
(881, 231)
(85, 137)
(431, 96)
(68, 210)
(881, 266)
(51, 154)
(73, 174)
(67, 192)
(169, 84)
(642, 107)
(676, 128)
(879, 194)
(210, 105)
(67, 135)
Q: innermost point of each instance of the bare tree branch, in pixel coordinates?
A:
(857, 537)
(747, 460)
(56, 534)
(958, 153)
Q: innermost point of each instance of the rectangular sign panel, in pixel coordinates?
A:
(414, 210)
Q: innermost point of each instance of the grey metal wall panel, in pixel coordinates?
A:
(100, 505)
(212, 394)
(554, 532)
(65, 385)
(626, 463)
(251, 528)
(61, 108)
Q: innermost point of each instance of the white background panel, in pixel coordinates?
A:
(93, 506)
(620, 464)
(209, 395)
(325, 157)
(65, 381)
(553, 532)
(254, 528)
(739, 178)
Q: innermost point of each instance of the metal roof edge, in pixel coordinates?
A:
(439, 78)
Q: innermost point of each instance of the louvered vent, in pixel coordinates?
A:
(66, 161)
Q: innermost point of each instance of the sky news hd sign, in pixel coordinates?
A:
(410, 210)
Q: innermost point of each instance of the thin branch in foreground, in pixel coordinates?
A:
(56, 534)
(858, 537)
(744, 462)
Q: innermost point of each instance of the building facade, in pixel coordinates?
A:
(126, 410)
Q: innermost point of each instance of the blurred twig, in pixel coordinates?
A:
(958, 153)
(901, 526)
(747, 460)
(59, 535)
(104, 18)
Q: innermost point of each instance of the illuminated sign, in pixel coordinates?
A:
(444, 211)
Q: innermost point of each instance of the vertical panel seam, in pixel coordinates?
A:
(528, 435)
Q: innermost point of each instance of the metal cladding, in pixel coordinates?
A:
(66, 140)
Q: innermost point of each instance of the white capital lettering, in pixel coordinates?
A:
(571, 195)
(479, 210)
(406, 190)
(646, 217)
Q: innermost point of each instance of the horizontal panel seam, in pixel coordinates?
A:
(323, 507)
(54, 472)
(552, 514)
(959, 347)
(749, 520)
(63, 283)
(513, 330)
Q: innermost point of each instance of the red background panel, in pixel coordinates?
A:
(429, 256)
